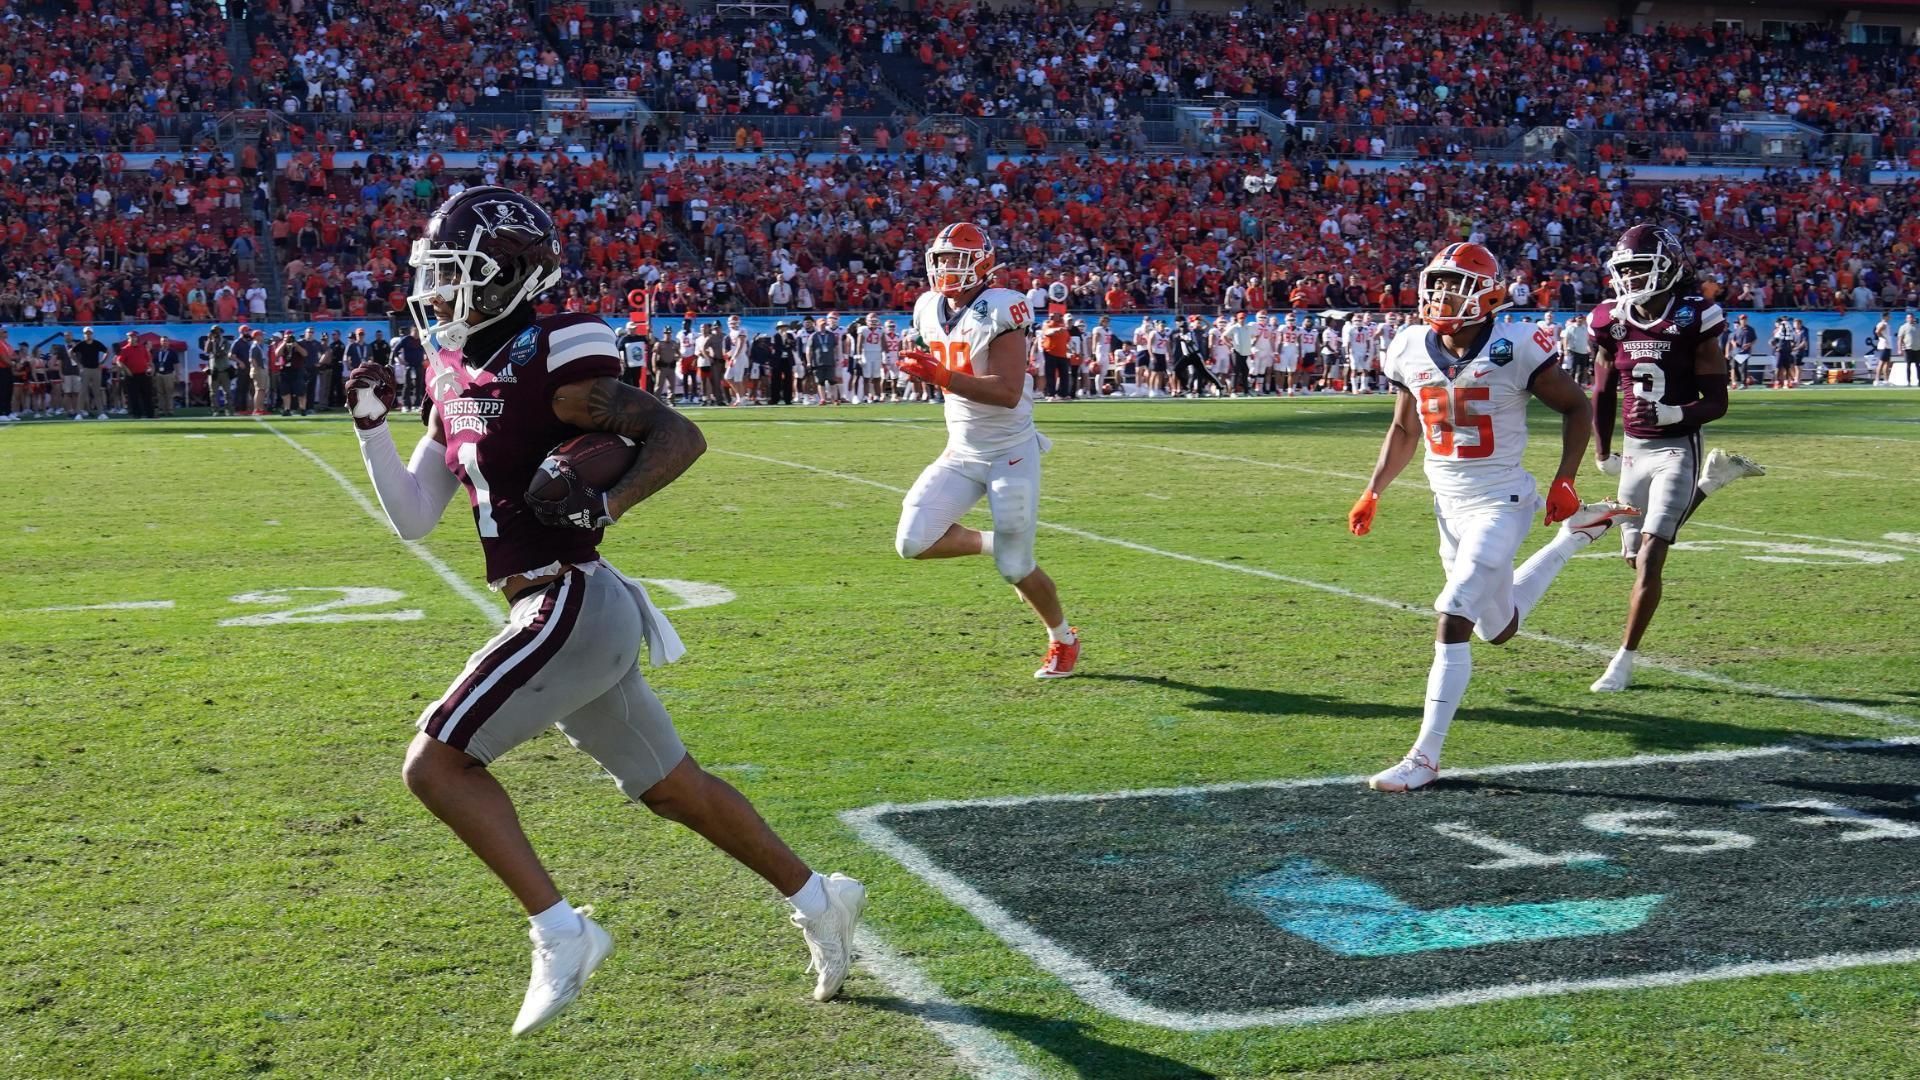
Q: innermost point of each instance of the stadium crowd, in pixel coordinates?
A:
(697, 63)
(1364, 66)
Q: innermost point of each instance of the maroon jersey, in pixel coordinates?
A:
(1653, 364)
(499, 425)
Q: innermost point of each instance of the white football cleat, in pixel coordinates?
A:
(560, 969)
(830, 937)
(1414, 771)
(1618, 676)
(1724, 468)
(1595, 518)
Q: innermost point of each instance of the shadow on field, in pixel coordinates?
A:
(1899, 698)
(1646, 731)
(1071, 1041)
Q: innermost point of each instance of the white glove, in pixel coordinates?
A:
(1609, 465)
(1667, 415)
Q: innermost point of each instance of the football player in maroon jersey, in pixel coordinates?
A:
(504, 387)
(1658, 355)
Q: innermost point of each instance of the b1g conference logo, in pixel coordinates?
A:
(1299, 901)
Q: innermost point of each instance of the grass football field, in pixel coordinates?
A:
(212, 869)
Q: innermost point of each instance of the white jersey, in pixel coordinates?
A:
(1360, 340)
(1263, 342)
(1475, 423)
(1291, 338)
(960, 343)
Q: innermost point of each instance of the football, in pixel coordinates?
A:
(596, 458)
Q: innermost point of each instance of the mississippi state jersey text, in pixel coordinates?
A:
(1653, 364)
(498, 423)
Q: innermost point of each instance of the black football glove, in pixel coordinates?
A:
(371, 394)
(580, 508)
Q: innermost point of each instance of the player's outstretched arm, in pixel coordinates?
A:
(1554, 386)
(1403, 435)
(1002, 385)
(669, 442)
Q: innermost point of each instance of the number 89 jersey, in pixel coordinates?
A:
(1473, 411)
(959, 340)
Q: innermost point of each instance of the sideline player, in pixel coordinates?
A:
(506, 386)
(975, 349)
(1659, 357)
(1463, 386)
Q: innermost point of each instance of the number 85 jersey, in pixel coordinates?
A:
(959, 339)
(1473, 411)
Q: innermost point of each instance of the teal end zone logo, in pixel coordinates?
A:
(1354, 917)
(1306, 901)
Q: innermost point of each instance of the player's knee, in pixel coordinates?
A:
(911, 540)
(1013, 556)
(430, 766)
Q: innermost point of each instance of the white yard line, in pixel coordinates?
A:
(494, 611)
(1098, 988)
(1803, 536)
(1760, 689)
(981, 1052)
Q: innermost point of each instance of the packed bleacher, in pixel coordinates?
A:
(834, 213)
(1367, 67)
(700, 64)
(401, 55)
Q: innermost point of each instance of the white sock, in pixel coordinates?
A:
(1063, 634)
(1446, 684)
(811, 900)
(1623, 659)
(558, 921)
(1531, 580)
(986, 543)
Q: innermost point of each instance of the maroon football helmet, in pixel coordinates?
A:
(1645, 262)
(485, 252)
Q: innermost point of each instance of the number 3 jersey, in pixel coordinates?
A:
(1473, 411)
(1653, 363)
(499, 425)
(959, 339)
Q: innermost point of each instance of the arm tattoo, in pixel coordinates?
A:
(669, 442)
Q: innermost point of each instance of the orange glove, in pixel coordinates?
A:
(918, 364)
(1562, 503)
(1360, 518)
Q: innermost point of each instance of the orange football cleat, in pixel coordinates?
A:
(1061, 656)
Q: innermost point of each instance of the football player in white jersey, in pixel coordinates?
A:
(1463, 387)
(973, 346)
(739, 386)
(1290, 338)
(1260, 367)
(1361, 340)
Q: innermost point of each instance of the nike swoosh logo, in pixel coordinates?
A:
(1015, 461)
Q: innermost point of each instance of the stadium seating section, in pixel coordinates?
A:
(849, 180)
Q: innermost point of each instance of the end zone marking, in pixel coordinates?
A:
(488, 607)
(1098, 989)
(1760, 689)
